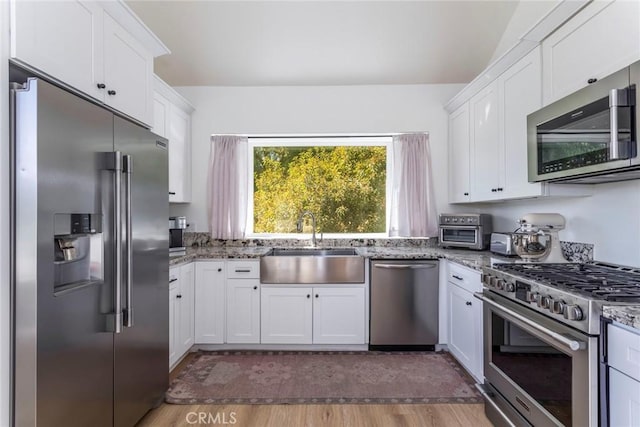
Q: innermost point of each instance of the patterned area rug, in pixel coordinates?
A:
(279, 377)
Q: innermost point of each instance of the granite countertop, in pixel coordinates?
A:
(627, 315)
(469, 258)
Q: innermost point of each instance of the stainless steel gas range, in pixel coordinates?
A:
(541, 329)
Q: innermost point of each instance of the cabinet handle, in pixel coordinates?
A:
(592, 80)
(466, 194)
(175, 279)
(111, 92)
(178, 296)
(255, 288)
(456, 277)
(308, 296)
(219, 270)
(468, 303)
(172, 193)
(243, 270)
(500, 188)
(101, 85)
(493, 190)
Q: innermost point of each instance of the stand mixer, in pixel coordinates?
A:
(537, 238)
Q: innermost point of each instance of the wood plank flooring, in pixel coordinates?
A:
(431, 415)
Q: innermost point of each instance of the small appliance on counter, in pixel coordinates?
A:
(471, 231)
(502, 244)
(537, 238)
(177, 226)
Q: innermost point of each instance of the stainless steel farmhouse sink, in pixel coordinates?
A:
(312, 266)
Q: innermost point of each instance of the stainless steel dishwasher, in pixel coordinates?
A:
(404, 304)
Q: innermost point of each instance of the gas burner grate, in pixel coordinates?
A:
(598, 280)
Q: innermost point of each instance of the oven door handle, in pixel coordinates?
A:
(572, 344)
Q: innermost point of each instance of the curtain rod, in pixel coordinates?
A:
(316, 135)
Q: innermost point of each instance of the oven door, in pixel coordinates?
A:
(545, 370)
(459, 235)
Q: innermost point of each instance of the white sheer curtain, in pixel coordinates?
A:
(413, 210)
(228, 186)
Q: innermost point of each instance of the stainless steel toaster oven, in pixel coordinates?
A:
(471, 231)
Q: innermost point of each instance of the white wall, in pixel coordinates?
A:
(314, 109)
(527, 13)
(609, 219)
(4, 216)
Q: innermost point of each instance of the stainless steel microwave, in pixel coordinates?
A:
(589, 136)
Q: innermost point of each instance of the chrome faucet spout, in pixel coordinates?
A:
(313, 225)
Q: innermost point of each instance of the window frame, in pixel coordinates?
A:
(319, 141)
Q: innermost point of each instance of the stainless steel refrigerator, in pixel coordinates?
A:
(90, 268)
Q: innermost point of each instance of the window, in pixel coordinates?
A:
(343, 181)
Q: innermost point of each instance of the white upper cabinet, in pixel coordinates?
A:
(601, 39)
(484, 143)
(172, 120)
(459, 140)
(520, 94)
(58, 38)
(128, 73)
(83, 45)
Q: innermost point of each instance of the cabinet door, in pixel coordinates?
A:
(174, 313)
(459, 139)
(186, 297)
(179, 134)
(286, 315)
(59, 39)
(599, 40)
(465, 329)
(161, 106)
(520, 89)
(209, 302)
(624, 399)
(338, 316)
(243, 311)
(128, 73)
(485, 142)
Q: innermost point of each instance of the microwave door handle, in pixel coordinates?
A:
(617, 98)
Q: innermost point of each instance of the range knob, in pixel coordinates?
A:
(547, 302)
(573, 312)
(539, 298)
(486, 279)
(531, 296)
(558, 307)
(509, 287)
(500, 284)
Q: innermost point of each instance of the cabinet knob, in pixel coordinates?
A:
(317, 295)
(219, 270)
(592, 80)
(466, 194)
(178, 296)
(308, 296)
(111, 92)
(468, 303)
(255, 288)
(101, 85)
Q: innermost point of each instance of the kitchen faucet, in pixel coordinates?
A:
(313, 225)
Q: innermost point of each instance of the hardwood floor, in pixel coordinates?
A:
(431, 415)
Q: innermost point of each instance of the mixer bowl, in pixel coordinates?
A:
(532, 246)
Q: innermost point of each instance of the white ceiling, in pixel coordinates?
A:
(269, 43)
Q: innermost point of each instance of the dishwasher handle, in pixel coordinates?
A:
(406, 266)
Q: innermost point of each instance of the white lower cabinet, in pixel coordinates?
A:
(623, 348)
(338, 316)
(243, 311)
(181, 307)
(210, 302)
(465, 318)
(320, 315)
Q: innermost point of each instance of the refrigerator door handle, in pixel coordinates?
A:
(113, 162)
(127, 169)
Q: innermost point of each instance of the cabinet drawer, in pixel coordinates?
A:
(624, 351)
(243, 269)
(464, 277)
